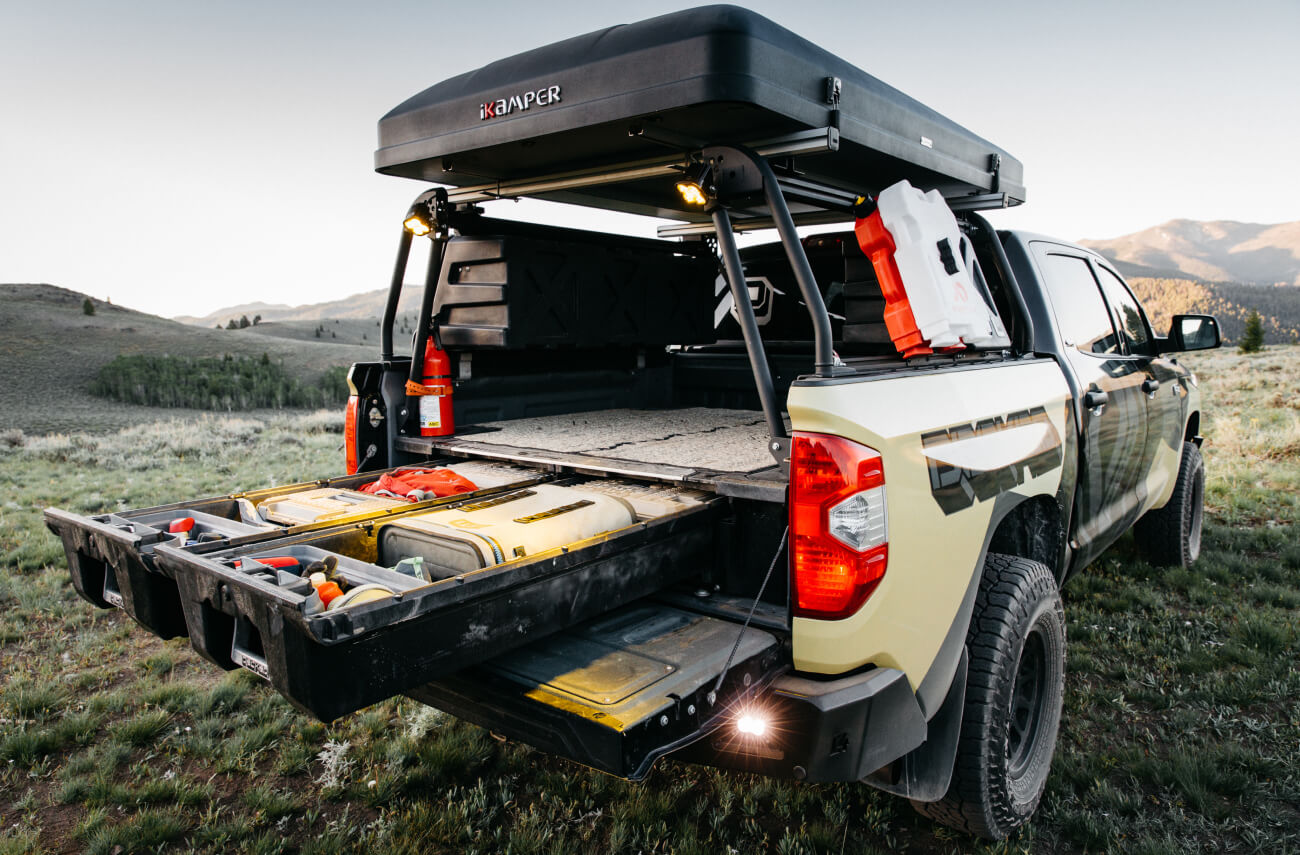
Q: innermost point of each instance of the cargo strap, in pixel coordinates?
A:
(413, 388)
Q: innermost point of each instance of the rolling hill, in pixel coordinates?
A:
(366, 306)
(1216, 251)
(51, 351)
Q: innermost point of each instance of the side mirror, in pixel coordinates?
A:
(1193, 332)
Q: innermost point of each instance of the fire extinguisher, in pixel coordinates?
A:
(436, 418)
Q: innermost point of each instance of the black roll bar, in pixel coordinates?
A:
(431, 276)
(823, 352)
(748, 324)
(394, 295)
(1009, 277)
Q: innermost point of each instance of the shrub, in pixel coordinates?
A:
(1253, 338)
(214, 384)
(87, 307)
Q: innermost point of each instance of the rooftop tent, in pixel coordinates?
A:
(638, 97)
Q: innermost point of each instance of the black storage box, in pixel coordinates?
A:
(111, 556)
(848, 285)
(336, 662)
(515, 291)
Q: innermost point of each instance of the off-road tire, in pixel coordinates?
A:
(1171, 536)
(1014, 691)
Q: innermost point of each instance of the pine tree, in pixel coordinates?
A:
(243, 322)
(87, 307)
(1252, 340)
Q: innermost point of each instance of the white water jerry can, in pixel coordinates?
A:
(936, 296)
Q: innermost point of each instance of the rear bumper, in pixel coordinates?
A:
(821, 730)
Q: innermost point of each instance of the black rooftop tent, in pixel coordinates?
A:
(600, 119)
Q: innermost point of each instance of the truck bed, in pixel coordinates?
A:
(704, 446)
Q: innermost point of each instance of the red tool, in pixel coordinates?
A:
(181, 525)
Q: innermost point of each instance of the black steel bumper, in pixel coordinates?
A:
(820, 730)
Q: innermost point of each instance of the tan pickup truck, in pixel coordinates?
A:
(801, 509)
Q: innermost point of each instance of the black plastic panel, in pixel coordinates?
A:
(519, 292)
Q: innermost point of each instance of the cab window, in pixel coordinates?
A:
(1084, 320)
(1129, 320)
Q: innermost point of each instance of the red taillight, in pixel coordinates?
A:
(350, 434)
(838, 534)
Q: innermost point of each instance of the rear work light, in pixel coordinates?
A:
(350, 434)
(839, 530)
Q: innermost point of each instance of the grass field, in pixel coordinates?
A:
(1181, 730)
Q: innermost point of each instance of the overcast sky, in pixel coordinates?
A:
(180, 156)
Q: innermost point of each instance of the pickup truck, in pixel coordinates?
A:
(802, 509)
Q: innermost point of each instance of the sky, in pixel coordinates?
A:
(178, 157)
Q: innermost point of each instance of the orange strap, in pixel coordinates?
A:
(413, 388)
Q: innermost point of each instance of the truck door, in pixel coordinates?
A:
(1113, 405)
(1165, 395)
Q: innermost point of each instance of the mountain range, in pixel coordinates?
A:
(1215, 251)
(367, 306)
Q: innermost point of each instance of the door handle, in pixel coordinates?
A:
(1150, 385)
(1095, 399)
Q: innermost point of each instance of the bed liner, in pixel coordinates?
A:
(723, 449)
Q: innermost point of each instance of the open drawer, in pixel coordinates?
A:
(620, 691)
(240, 613)
(110, 556)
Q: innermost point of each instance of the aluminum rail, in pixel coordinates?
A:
(804, 142)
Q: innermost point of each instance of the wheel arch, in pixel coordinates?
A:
(1033, 529)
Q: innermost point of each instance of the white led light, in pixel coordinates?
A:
(859, 522)
(751, 725)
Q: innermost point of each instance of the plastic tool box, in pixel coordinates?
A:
(110, 556)
(634, 93)
(333, 662)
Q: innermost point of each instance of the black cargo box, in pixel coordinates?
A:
(712, 75)
(524, 291)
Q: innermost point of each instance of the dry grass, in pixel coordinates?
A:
(1252, 430)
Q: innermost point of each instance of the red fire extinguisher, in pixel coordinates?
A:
(434, 395)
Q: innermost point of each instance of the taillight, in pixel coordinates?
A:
(838, 525)
(350, 433)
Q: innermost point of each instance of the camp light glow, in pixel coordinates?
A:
(416, 226)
